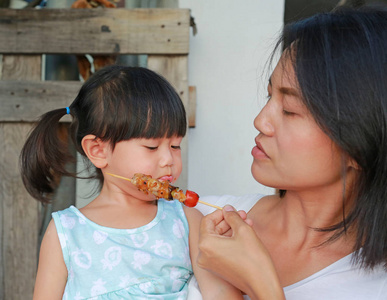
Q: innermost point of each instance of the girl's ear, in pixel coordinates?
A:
(96, 150)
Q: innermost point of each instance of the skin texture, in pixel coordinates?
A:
(121, 205)
(295, 145)
(265, 285)
(281, 247)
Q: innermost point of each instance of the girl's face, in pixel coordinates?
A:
(291, 151)
(160, 158)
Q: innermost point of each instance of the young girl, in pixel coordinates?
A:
(124, 244)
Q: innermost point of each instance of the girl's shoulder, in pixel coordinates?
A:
(70, 212)
(192, 214)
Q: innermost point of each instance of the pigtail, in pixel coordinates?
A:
(44, 156)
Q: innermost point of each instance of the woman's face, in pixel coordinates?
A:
(291, 151)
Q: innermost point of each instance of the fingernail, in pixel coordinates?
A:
(229, 208)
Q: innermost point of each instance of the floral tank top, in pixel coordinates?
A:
(149, 262)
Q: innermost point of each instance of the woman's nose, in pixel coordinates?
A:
(264, 121)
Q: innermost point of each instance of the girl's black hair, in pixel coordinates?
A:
(116, 103)
(340, 61)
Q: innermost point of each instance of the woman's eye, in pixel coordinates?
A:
(288, 113)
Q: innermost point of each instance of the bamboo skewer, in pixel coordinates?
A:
(209, 204)
(199, 201)
(124, 178)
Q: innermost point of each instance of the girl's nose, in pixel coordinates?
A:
(166, 158)
(264, 121)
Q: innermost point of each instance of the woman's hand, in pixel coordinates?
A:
(229, 247)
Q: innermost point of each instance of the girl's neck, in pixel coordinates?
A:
(120, 214)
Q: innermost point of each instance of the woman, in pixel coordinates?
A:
(323, 143)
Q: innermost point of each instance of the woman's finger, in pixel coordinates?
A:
(234, 218)
(243, 214)
(210, 221)
(223, 228)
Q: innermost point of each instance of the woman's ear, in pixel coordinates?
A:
(96, 150)
(353, 164)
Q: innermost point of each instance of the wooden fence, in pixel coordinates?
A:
(162, 34)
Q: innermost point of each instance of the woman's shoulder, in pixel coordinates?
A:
(265, 204)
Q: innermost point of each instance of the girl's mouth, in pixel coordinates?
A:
(166, 178)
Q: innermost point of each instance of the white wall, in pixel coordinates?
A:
(226, 64)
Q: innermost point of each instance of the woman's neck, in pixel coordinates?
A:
(288, 228)
(298, 216)
(315, 210)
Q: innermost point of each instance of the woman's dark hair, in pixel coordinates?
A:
(340, 61)
(115, 104)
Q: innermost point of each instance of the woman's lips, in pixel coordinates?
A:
(258, 152)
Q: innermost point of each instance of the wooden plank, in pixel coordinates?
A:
(19, 212)
(175, 69)
(20, 219)
(17, 67)
(25, 101)
(94, 31)
(192, 107)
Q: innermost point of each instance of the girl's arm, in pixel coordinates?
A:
(211, 286)
(51, 277)
(239, 258)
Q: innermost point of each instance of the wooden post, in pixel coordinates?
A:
(19, 212)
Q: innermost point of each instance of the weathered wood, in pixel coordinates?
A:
(19, 213)
(19, 237)
(105, 31)
(94, 31)
(25, 101)
(16, 67)
(192, 107)
(175, 69)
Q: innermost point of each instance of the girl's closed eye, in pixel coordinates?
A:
(151, 147)
(176, 147)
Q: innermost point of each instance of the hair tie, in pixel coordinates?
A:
(67, 110)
